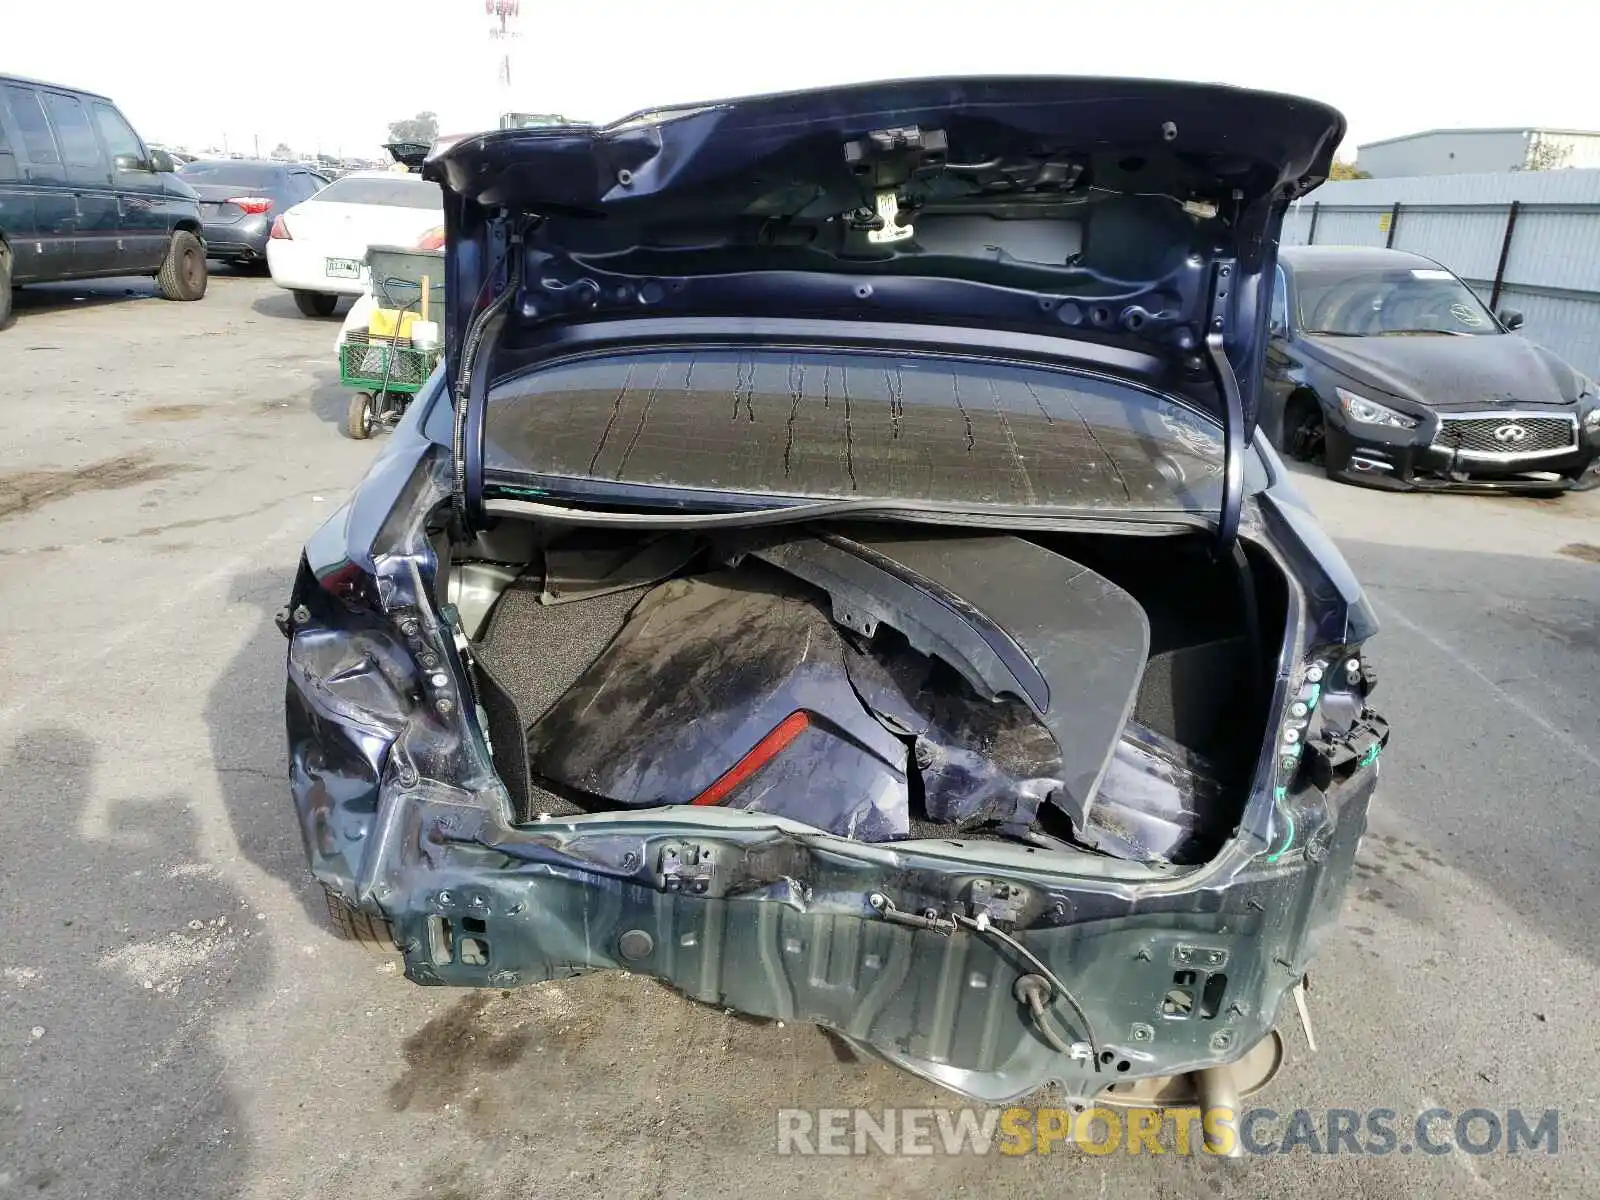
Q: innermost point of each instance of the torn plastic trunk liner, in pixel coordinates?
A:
(737, 688)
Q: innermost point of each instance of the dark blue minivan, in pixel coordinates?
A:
(81, 196)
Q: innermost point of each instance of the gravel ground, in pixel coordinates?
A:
(174, 1022)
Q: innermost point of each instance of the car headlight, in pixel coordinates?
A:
(1591, 420)
(1369, 412)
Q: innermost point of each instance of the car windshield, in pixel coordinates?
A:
(232, 174)
(832, 425)
(397, 191)
(1417, 300)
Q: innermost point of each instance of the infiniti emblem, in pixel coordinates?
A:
(1510, 434)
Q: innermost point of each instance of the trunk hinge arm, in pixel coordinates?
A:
(1217, 328)
(500, 283)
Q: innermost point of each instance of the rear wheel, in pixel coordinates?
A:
(316, 304)
(1305, 434)
(373, 934)
(359, 419)
(183, 273)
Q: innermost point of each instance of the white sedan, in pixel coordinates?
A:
(318, 248)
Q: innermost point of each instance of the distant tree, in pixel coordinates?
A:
(1547, 156)
(1346, 170)
(423, 127)
(282, 151)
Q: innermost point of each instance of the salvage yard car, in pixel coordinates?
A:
(318, 248)
(241, 198)
(82, 197)
(835, 573)
(1387, 370)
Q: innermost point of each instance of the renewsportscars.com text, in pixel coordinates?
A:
(1020, 1131)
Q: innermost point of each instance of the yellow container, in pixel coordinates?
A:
(390, 323)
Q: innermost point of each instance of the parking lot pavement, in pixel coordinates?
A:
(174, 1022)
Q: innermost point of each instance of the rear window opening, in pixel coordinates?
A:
(233, 174)
(398, 191)
(636, 670)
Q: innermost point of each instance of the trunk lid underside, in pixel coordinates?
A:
(1130, 218)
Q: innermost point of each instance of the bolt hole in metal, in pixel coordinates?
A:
(1179, 1002)
(441, 940)
(470, 949)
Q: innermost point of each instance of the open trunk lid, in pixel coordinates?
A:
(408, 154)
(1133, 223)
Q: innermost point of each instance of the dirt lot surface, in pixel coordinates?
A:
(175, 1022)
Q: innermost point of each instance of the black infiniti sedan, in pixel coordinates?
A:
(1385, 368)
(240, 198)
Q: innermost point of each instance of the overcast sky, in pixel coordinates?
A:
(332, 73)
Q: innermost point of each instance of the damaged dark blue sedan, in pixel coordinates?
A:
(835, 572)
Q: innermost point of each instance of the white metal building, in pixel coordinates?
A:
(1476, 151)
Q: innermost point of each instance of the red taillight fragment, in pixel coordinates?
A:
(432, 240)
(252, 204)
(280, 230)
(763, 752)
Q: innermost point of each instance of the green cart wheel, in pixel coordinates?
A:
(358, 421)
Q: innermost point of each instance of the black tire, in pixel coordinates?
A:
(5, 285)
(359, 419)
(183, 272)
(372, 934)
(315, 304)
(1305, 432)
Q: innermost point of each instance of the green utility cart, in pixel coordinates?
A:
(390, 360)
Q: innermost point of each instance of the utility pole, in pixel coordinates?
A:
(502, 30)
(258, 145)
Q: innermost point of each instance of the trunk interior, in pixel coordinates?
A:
(1098, 691)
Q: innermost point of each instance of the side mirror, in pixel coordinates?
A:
(131, 162)
(1510, 318)
(161, 163)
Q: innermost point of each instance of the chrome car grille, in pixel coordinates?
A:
(1507, 435)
